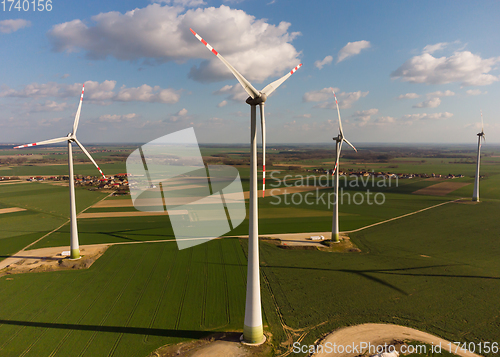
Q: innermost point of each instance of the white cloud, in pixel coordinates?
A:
(234, 92)
(430, 103)
(425, 116)
(384, 120)
(363, 116)
(147, 93)
(49, 106)
(116, 118)
(351, 49)
(475, 92)
(95, 91)
(181, 115)
(222, 104)
(325, 61)
(48, 122)
(346, 99)
(409, 96)
(433, 48)
(9, 26)
(462, 67)
(183, 3)
(156, 33)
(446, 93)
(319, 95)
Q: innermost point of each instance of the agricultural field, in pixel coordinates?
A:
(436, 271)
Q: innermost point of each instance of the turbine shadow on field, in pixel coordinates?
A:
(116, 329)
(130, 232)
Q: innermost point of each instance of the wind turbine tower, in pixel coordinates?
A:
(480, 136)
(338, 147)
(70, 139)
(253, 331)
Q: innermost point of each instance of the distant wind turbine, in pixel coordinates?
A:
(70, 138)
(253, 330)
(480, 136)
(338, 147)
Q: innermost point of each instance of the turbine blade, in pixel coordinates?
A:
(263, 124)
(45, 142)
(273, 86)
(247, 86)
(482, 125)
(77, 116)
(88, 155)
(348, 143)
(338, 112)
(338, 158)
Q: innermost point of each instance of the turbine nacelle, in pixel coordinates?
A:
(258, 100)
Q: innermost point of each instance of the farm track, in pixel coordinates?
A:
(181, 307)
(162, 294)
(115, 345)
(69, 333)
(124, 288)
(205, 287)
(226, 289)
(32, 318)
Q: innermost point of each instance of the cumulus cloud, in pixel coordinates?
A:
(183, 3)
(463, 67)
(147, 93)
(425, 116)
(346, 99)
(94, 91)
(430, 103)
(433, 48)
(409, 96)
(363, 116)
(222, 104)
(319, 95)
(384, 120)
(446, 93)
(233, 92)
(9, 26)
(351, 49)
(117, 118)
(325, 61)
(49, 106)
(475, 92)
(160, 33)
(181, 115)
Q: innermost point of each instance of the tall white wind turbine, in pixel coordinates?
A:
(252, 329)
(338, 147)
(70, 138)
(475, 194)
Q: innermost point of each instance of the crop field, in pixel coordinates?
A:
(436, 271)
(130, 302)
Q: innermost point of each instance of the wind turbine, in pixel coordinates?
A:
(475, 194)
(70, 138)
(252, 330)
(338, 147)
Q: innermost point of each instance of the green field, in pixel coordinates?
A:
(130, 302)
(436, 271)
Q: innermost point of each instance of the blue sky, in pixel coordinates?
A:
(404, 71)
